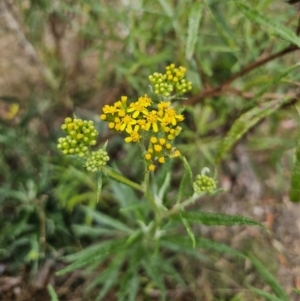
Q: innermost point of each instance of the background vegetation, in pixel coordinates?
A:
(60, 57)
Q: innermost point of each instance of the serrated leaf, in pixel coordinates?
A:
(273, 27)
(268, 277)
(103, 251)
(187, 180)
(266, 295)
(204, 243)
(245, 122)
(216, 219)
(193, 28)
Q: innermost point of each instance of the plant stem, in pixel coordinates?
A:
(120, 178)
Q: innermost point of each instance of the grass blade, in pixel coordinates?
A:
(278, 290)
(193, 28)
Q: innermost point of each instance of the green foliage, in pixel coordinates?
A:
(273, 27)
(211, 219)
(121, 223)
(245, 122)
(276, 287)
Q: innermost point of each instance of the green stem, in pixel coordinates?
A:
(120, 178)
(180, 206)
(150, 197)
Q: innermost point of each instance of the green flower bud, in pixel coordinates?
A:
(204, 184)
(96, 160)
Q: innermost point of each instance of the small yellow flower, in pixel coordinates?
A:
(162, 141)
(161, 160)
(151, 167)
(168, 146)
(148, 156)
(157, 148)
(109, 109)
(153, 140)
(152, 120)
(102, 116)
(127, 122)
(134, 135)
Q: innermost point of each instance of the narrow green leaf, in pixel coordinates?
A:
(133, 286)
(186, 184)
(216, 219)
(101, 252)
(129, 280)
(188, 230)
(273, 27)
(169, 268)
(278, 290)
(154, 270)
(167, 8)
(109, 276)
(99, 184)
(245, 122)
(296, 291)
(204, 243)
(266, 295)
(183, 249)
(52, 293)
(295, 178)
(224, 31)
(193, 28)
(104, 219)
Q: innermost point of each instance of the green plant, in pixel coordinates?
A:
(148, 225)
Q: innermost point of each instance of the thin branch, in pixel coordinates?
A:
(211, 92)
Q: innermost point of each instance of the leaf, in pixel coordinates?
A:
(266, 295)
(218, 219)
(187, 179)
(103, 251)
(104, 219)
(224, 31)
(273, 27)
(129, 281)
(245, 122)
(204, 243)
(154, 271)
(278, 290)
(169, 268)
(99, 184)
(188, 229)
(295, 178)
(52, 293)
(193, 28)
(109, 276)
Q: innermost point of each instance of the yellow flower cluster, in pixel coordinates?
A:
(145, 121)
